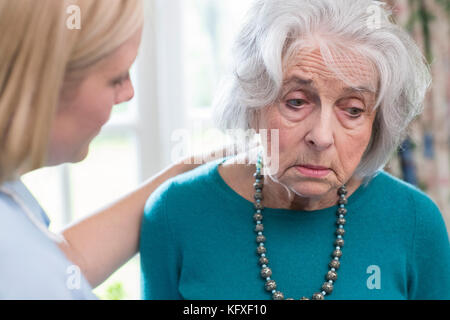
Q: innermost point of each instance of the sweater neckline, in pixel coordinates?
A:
(355, 200)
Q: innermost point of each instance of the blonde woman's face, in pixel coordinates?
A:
(82, 114)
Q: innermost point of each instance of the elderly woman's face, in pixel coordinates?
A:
(324, 124)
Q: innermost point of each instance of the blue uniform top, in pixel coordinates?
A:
(198, 242)
(31, 264)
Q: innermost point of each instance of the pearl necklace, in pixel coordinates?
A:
(266, 272)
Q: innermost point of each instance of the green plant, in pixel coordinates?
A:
(114, 292)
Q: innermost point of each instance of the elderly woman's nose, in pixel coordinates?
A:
(320, 136)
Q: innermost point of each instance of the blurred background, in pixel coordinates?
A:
(184, 54)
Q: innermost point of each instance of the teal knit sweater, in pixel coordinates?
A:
(198, 242)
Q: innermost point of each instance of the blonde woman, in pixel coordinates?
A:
(57, 88)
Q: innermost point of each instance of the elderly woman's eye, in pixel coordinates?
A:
(354, 112)
(296, 103)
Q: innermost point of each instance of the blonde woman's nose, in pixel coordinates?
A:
(126, 93)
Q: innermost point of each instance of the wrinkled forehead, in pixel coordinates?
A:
(341, 66)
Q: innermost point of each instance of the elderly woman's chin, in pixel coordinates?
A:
(312, 187)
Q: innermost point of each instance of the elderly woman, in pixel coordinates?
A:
(340, 88)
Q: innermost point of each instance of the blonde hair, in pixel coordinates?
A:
(38, 54)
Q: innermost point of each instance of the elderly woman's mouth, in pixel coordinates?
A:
(313, 171)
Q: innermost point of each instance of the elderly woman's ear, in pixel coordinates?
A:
(258, 118)
(255, 120)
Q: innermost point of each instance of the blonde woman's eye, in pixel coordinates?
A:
(117, 82)
(120, 81)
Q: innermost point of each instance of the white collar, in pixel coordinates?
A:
(19, 193)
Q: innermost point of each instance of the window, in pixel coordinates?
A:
(209, 28)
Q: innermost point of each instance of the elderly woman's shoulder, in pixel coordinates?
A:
(203, 174)
(188, 185)
(404, 193)
(409, 209)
